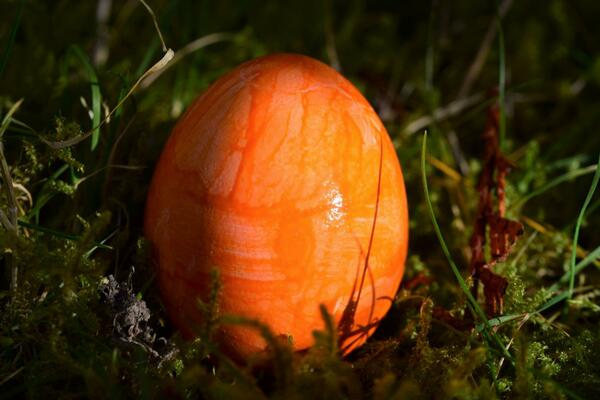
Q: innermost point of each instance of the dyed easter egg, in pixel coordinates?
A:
(283, 178)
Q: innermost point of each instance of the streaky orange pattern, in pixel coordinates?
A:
(272, 177)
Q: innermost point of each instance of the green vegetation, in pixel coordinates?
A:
(88, 98)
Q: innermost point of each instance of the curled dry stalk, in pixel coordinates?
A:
(503, 232)
(490, 227)
(347, 337)
(9, 221)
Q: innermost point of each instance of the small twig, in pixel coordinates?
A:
(11, 375)
(443, 113)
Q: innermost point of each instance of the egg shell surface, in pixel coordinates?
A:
(283, 178)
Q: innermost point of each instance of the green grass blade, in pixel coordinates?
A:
(96, 95)
(438, 232)
(59, 234)
(21, 128)
(101, 244)
(497, 321)
(473, 304)
(45, 195)
(594, 206)
(589, 259)
(552, 302)
(8, 117)
(574, 268)
(578, 227)
(11, 38)
(49, 231)
(554, 182)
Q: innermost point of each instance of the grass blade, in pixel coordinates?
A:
(553, 301)
(5, 172)
(438, 232)
(11, 38)
(8, 117)
(554, 182)
(473, 304)
(9, 220)
(159, 65)
(574, 268)
(497, 321)
(60, 235)
(588, 198)
(96, 95)
(589, 259)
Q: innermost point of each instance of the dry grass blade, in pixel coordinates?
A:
(443, 113)
(11, 375)
(4, 170)
(79, 138)
(158, 66)
(10, 221)
(155, 21)
(347, 321)
(188, 49)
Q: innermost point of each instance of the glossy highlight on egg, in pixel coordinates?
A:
(282, 177)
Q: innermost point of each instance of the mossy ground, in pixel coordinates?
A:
(80, 207)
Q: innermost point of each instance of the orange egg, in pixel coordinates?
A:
(283, 178)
